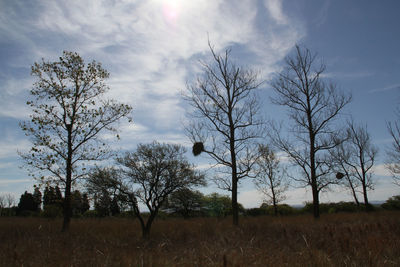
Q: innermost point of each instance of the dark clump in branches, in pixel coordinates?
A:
(198, 147)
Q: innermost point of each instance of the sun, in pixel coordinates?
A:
(171, 10)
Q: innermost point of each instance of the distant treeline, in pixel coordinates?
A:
(184, 203)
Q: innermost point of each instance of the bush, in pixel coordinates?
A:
(333, 207)
(52, 211)
(91, 214)
(392, 203)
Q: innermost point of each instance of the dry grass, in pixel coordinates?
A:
(334, 240)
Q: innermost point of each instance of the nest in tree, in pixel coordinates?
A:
(339, 175)
(198, 147)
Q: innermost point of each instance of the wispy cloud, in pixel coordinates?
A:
(387, 88)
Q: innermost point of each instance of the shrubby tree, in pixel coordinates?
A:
(102, 186)
(393, 203)
(37, 197)
(313, 106)
(185, 202)
(28, 202)
(225, 121)
(69, 111)
(52, 197)
(149, 175)
(217, 205)
(80, 203)
(271, 179)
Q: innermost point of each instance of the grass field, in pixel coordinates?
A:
(356, 239)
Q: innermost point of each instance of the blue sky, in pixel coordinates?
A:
(152, 48)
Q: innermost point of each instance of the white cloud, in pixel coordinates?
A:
(275, 10)
(10, 146)
(381, 170)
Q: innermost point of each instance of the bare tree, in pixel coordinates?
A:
(361, 159)
(313, 105)
(149, 175)
(340, 155)
(271, 179)
(393, 153)
(2, 204)
(69, 113)
(10, 200)
(225, 118)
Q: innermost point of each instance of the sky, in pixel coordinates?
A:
(152, 49)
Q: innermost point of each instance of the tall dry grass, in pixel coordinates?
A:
(334, 240)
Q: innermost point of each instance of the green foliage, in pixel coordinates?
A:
(393, 203)
(52, 197)
(264, 209)
(334, 207)
(185, 202)
(52, 211)
(217, 205)
(28, 204)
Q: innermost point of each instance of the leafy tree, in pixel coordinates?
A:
(149, 175)
(52, 197)
(217, 205)
(271, 177)
(37, 197)
(69, 111)
(185, 202)
(80, 203)
(102, 185)
(225, 118)
(313, 106)
(27, 202)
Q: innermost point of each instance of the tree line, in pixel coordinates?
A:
(70, 110)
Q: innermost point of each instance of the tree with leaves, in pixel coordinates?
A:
(185, 202)
(313, 106)
(69, 111)
(149, 175)
(28, 202)
(271, 179)
(225, 120)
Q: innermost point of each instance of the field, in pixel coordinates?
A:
(353, 239)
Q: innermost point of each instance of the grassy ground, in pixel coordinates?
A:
(357, 239)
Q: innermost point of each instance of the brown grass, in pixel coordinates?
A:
(334, 240)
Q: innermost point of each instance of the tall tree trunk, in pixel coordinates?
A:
(68, 182)
(353, 191)
(274, 200)
(315, 193)
(147, 227)
(235, 206)
(366, 202)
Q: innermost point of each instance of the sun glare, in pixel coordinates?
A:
(171, 10)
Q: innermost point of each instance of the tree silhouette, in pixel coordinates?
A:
(69, 111)
(149, 175)
(271, 178)
(357, 157)
(313, 106)
(225, 119)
